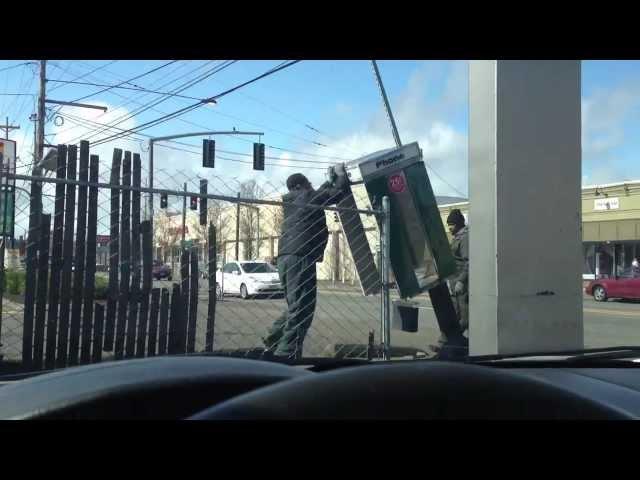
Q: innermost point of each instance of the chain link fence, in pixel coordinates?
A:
(94, 277)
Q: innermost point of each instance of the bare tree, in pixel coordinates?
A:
(166, 233)
(249, 217)
(215, 216)
(277, 218)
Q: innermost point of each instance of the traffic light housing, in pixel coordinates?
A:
(164, 200)
(193, 203)
(208, 153)
(203, 203)
(258, 156)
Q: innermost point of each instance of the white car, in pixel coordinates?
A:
(247, 279)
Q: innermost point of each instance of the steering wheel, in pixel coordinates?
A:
(166, 387)
(412, 390)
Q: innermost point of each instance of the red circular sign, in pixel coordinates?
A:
(396, 183)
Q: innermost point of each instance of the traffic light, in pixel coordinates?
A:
(203, 203)
(193, 203)
(208, 153)
(164, 200)
(258, 156)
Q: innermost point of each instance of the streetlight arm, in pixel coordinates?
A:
(202, 134)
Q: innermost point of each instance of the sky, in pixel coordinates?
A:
(312, 114)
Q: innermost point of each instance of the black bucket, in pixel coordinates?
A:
(405, 317)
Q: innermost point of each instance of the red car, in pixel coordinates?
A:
(627, 286)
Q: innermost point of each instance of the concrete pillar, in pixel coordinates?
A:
(525, 210)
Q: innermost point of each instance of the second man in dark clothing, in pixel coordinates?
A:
(302, 244)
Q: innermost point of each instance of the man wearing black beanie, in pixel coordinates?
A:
(459, 282)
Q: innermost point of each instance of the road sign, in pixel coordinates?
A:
(7, 160)
(186, 244)
(7, 211)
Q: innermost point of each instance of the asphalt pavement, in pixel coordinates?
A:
(343, 318)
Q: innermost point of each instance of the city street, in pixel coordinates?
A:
(343, 317)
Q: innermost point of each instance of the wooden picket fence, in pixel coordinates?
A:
(64, 325)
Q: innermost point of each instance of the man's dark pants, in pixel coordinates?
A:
(298, 277)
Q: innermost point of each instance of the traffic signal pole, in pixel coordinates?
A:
(184, 214)
(153, 140)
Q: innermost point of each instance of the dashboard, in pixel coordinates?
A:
(217, 388)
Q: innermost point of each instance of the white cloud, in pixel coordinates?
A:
(427, 122)
(284, 159)
(604, 116)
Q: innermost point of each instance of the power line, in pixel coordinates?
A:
(135, 88)
(15, 66)
(129, 100)
(183, 87)
(271, 107)
(84, 75)
(9, 108)
(83, 122)
(184, 110)
(444, 181)
(290, 117)
(188, 122)
(126, 81)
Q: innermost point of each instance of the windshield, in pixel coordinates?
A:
(257, 268)
(479, 227)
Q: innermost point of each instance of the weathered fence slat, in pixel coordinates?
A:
(135, 297)
(153, 322)
(67, 255)
(90, 273)
(176, 322)
(35, 203)
(56, 260)
(163, 329)
(98, 324)
(183, 321)
(125, 263)
(194, 278)
(41, 294)
(114, 256)
(211, 308)
(78, 274)
(147, 260)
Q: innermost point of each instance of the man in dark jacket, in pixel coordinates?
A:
(459, 281)
(302, 244)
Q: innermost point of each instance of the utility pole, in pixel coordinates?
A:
(385, 101)
(153, 140)
(7, 128)
(238, 228)
(41, 112)
(184, 214)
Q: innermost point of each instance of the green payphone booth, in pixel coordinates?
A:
(420, 255)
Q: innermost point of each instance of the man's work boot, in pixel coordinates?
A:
(453, 350)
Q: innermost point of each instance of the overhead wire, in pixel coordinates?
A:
(135, 88)
(184, 110)
(181, 88)
(123, 82)
(142, 137)
(183, 120)
(132, 99)
(84, 75)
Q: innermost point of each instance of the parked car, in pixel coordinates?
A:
(625, 286)
(160, 271)
(248, 279)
